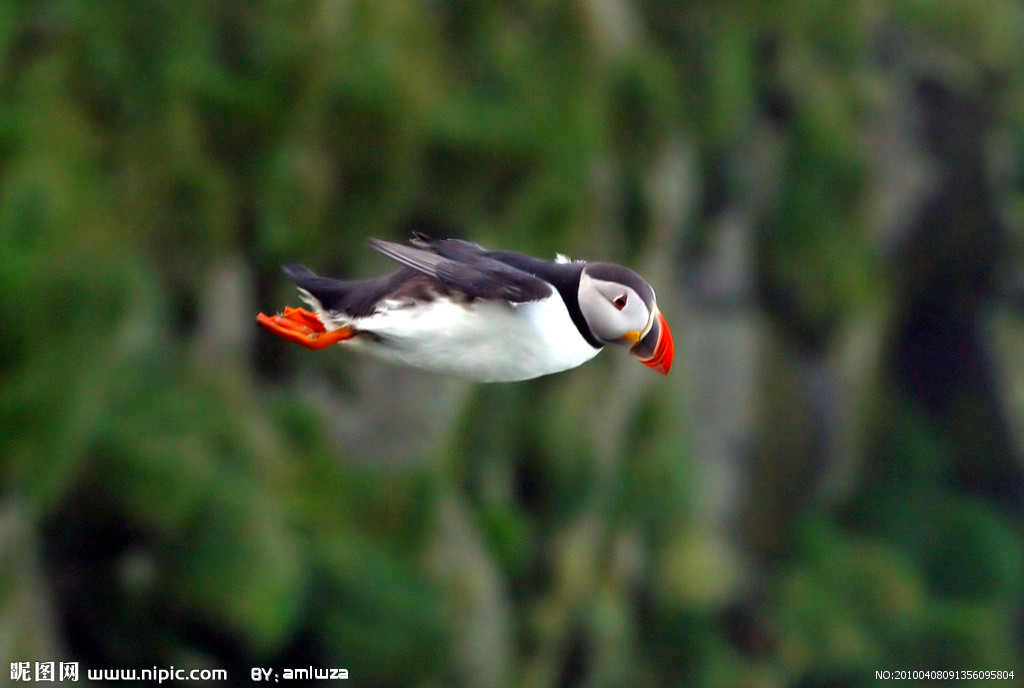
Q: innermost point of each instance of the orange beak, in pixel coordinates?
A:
(655, 349)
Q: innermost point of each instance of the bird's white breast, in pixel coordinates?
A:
(482, 340)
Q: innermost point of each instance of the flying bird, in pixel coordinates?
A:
(456, 308)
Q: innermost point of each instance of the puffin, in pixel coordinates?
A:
(456, 308)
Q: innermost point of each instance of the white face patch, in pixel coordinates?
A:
(611, 309)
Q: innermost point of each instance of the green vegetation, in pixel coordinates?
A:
(826, 195)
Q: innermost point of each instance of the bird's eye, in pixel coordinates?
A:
(620, 302)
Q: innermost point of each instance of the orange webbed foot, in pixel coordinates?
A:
(307, 318)
(303, 327)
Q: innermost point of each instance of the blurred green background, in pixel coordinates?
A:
(826, 195)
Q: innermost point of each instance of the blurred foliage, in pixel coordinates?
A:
(827, 196)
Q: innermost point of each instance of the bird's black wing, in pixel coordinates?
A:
(358, 298)
(465, 266)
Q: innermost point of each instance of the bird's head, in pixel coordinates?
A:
(619, 308)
